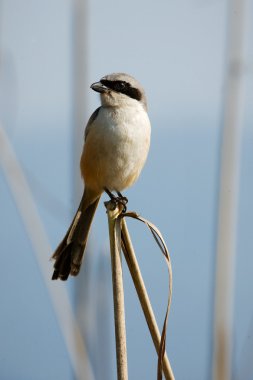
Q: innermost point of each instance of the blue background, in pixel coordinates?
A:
(177, 50)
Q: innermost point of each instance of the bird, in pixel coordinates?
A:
(116, 145)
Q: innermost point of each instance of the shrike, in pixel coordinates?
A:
(116, 144)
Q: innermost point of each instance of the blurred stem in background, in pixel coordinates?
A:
(79, 88)
(228, 192)
(95, 331)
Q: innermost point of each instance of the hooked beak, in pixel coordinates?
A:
(99, 87)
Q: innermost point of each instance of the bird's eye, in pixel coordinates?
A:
(120, 86)
(123, 87)
(116, 85)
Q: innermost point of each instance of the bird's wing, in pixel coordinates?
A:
(90, 122)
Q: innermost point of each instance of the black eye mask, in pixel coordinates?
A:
(123, 87)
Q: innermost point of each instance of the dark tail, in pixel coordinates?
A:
(69, 254)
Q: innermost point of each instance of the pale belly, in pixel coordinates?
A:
(114, 154)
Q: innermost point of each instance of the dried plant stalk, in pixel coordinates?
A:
(118, 290)
(134, 269)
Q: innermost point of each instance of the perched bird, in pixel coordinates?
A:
(116, 144)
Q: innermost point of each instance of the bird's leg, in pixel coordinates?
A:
(110, 194)
(119, 199)
(113, 198)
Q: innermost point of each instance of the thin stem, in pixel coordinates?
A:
(143, 297)
(118, 290)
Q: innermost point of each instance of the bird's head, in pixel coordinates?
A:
(120, 89)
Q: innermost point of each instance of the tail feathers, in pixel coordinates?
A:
(69, 254)
(65, 264)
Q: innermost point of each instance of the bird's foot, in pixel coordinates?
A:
(123, 200)
(120, 199)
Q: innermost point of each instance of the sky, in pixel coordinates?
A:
(177, 50)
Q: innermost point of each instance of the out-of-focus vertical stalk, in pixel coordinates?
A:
(228, 193)
(79, 88)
